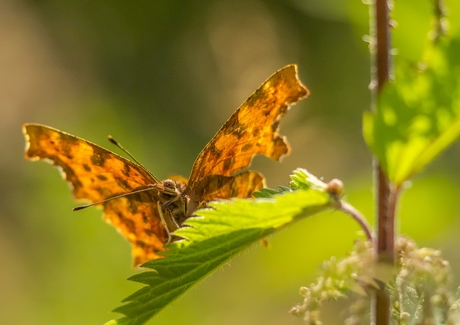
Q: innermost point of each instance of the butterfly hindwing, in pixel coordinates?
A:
(215, 187)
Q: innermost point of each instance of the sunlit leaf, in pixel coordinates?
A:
(418, 115)
(214, 236)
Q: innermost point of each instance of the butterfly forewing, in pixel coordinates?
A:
(96, 174)
(252, 129)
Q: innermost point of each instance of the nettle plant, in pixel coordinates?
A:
(387, 278)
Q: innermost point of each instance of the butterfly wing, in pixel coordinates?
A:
(214, 187)
(96, 174)
(252, 129)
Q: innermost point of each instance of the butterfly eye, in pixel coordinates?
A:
(169, 184)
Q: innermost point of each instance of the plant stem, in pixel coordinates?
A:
(355, 214)
(386, 195)
(387, 200)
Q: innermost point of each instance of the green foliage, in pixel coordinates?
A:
(214, 236)
(418, 114)
(300, 179)
(338, 278)
(419, 286)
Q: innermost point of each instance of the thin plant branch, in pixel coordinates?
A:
(355, 214)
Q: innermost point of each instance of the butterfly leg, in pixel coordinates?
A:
(163, 221)
(201, 205)
(170, 201)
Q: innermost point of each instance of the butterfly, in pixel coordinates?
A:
(146, 210)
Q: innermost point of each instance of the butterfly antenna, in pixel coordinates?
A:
(118, 144)
(81, 207)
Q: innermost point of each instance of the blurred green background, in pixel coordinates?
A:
(162, 77)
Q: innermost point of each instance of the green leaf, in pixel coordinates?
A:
(418, 115)
(300, 179)
(269, 192)
(213, 237)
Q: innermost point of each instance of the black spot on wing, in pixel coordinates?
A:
(98, 158)
(123, 184)
(246, 147)
(234, 127)
(228, 163)
(140, 244)
(215, 153)
(149, 232)
(101, 177)
(126, 170)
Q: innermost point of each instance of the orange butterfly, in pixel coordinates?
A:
(146, 210)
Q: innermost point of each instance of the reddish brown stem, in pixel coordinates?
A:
(386, 195)
(382, 43)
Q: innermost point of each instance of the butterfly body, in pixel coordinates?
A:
(146, 210)
(174, 202)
